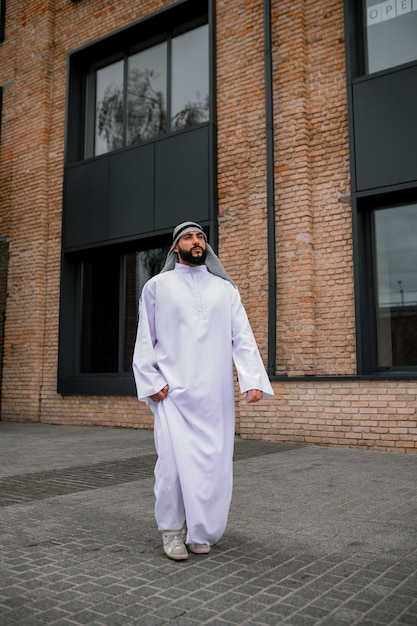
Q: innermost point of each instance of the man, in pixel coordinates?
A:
(192, 327)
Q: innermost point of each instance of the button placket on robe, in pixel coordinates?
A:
(196, 277)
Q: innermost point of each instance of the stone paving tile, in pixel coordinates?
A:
(56, 482)
(101, 587)
(74, 552)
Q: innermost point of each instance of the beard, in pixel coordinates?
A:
(189, 259)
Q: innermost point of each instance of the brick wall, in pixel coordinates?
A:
(340, 413)
(315, 297)
(314, 246)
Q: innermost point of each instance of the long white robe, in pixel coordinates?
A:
(192, 326)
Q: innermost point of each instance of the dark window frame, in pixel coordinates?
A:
(367, 48)
(165, 21)
(366, 200)
(123, 56)
(2, 20)
(365, 281)
(70, 378)
(357, 42)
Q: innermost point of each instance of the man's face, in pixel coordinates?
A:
(191, 249)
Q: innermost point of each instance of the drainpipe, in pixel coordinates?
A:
(270, 193)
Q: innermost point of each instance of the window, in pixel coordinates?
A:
(395, 279)
(111, 283)
(391, 33)
(108, 283)
(148, 92)
(387, 284)
(190, 79)
(382, 128)
(100, 278)
(108, 114)
(140, 158)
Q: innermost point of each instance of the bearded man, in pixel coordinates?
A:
(192, 327)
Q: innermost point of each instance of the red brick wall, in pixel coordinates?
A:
(26, 77)
(341, 413)
(242, 155)
(315, 297)
(314, 244)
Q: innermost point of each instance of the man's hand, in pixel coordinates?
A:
(254, 395)
(161, 395)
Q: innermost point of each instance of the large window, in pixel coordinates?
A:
(395, 272)
(381, 41)
(139, 159)
(148, 91)
(387, 289)
(108, 284)
(111, 284)
(391, 33)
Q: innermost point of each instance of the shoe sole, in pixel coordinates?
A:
(175, 557)
(199, 550)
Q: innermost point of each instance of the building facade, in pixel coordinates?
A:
(287, 129)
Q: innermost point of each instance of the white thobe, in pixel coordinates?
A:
(192, 327)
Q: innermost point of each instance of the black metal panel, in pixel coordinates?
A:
(131, 192)
(385, 129)
(104, 385)
(86, 203)
(182, 178)
(141, 190)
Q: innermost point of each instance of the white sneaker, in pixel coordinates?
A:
(174, 546)
(199, 548)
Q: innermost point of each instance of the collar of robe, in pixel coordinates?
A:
(212, 263)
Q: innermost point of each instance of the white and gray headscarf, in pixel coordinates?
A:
(212, 260)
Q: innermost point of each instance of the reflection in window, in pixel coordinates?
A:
(140, 266)
(120, 114)
(190, 79)
(391, 28)
(111, 283)
(109, 108)
(395, 234)
(146, 94)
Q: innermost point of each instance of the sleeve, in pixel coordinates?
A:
(250, 368)
(148, 378)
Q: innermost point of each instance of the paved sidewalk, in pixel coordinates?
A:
(316, 535)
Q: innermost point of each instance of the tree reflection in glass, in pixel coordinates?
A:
(190, 79)
(146, 94)
(109, 108)
(136, 112)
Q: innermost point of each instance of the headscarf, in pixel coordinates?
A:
(212, 261)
